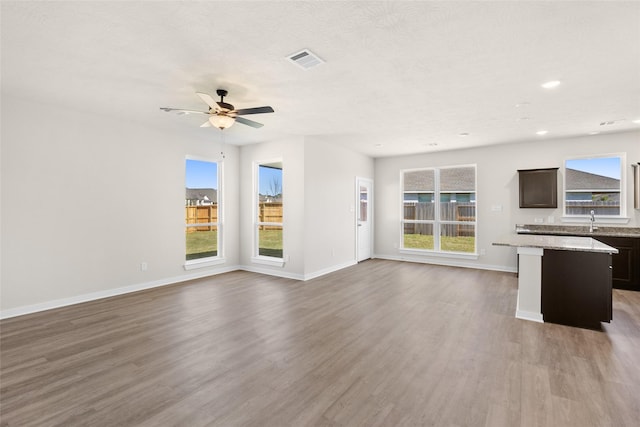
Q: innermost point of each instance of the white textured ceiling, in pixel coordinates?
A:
(403, 75)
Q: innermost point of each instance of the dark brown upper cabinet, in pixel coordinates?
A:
(538, 188)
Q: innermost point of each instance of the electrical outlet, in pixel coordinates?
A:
(551, 219)
(538, 220)
(483, 251)
(144, 266)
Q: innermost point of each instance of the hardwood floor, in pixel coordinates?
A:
(382, 343)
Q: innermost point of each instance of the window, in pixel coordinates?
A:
(439, 209)
(202, 211)
(594, 184)
(269, 213)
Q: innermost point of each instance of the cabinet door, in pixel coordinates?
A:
(625, 263)
(538, 188)
(576, 288)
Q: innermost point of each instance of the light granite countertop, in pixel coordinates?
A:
(562, 243)
(578, 230)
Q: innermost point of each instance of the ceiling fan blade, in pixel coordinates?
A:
(182, 111)
(206, 124)
(208, 100)
(257, 110)
(249, 122)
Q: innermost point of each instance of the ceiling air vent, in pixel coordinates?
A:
(305, 59)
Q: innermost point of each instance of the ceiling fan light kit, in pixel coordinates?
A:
(222, 122)
(222, 114)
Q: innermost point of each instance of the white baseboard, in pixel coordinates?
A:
(449, 263)
(92, 296)
(271, 272)
(528, 315)
(329, 270)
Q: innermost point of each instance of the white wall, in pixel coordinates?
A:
(330, 194)
(497, 186)
(86, 199)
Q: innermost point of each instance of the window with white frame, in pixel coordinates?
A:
(439, 209)
(269, 211)
(594, 184)
(202, 210)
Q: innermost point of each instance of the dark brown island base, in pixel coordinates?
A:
(563, 279)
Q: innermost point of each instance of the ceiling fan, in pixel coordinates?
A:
(221, 114)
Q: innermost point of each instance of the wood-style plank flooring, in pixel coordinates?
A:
(382, 343)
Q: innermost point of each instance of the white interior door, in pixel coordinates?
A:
(364, 217)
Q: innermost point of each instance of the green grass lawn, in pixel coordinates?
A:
(270, 243)
(202, 244)
(449, 244)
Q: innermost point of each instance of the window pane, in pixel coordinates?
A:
(418, 236)
(270, 241)
(201, 182)
(270, 193)
(202, 242)
(419, 206)
(201, 207)
(363, 204)
(593, 184)
(457, 237)
(457, 206)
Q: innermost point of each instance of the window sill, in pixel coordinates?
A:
(203, 263)
(273, 262)
(425, 252)
(599, 220)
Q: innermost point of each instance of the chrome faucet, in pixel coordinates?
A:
(592, 220)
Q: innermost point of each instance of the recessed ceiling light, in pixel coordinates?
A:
(542, 132)
(593, 133)
(551, 84)
(524, 118)
(463, 134)
(636, 121)
(378, 145)
(523, 104)
(432, 144)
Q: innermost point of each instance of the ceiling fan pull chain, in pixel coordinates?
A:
(222, 143)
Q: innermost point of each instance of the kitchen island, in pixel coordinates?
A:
(625, 264)
(562, 279)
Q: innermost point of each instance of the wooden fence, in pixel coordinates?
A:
(267, 212)
(201, 215)
(599, 207)
(448, 212)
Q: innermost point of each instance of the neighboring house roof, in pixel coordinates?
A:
(271, 199)
(419, 180)
(458, 179)
(202, 194)
(451, 179)
(579, 180)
